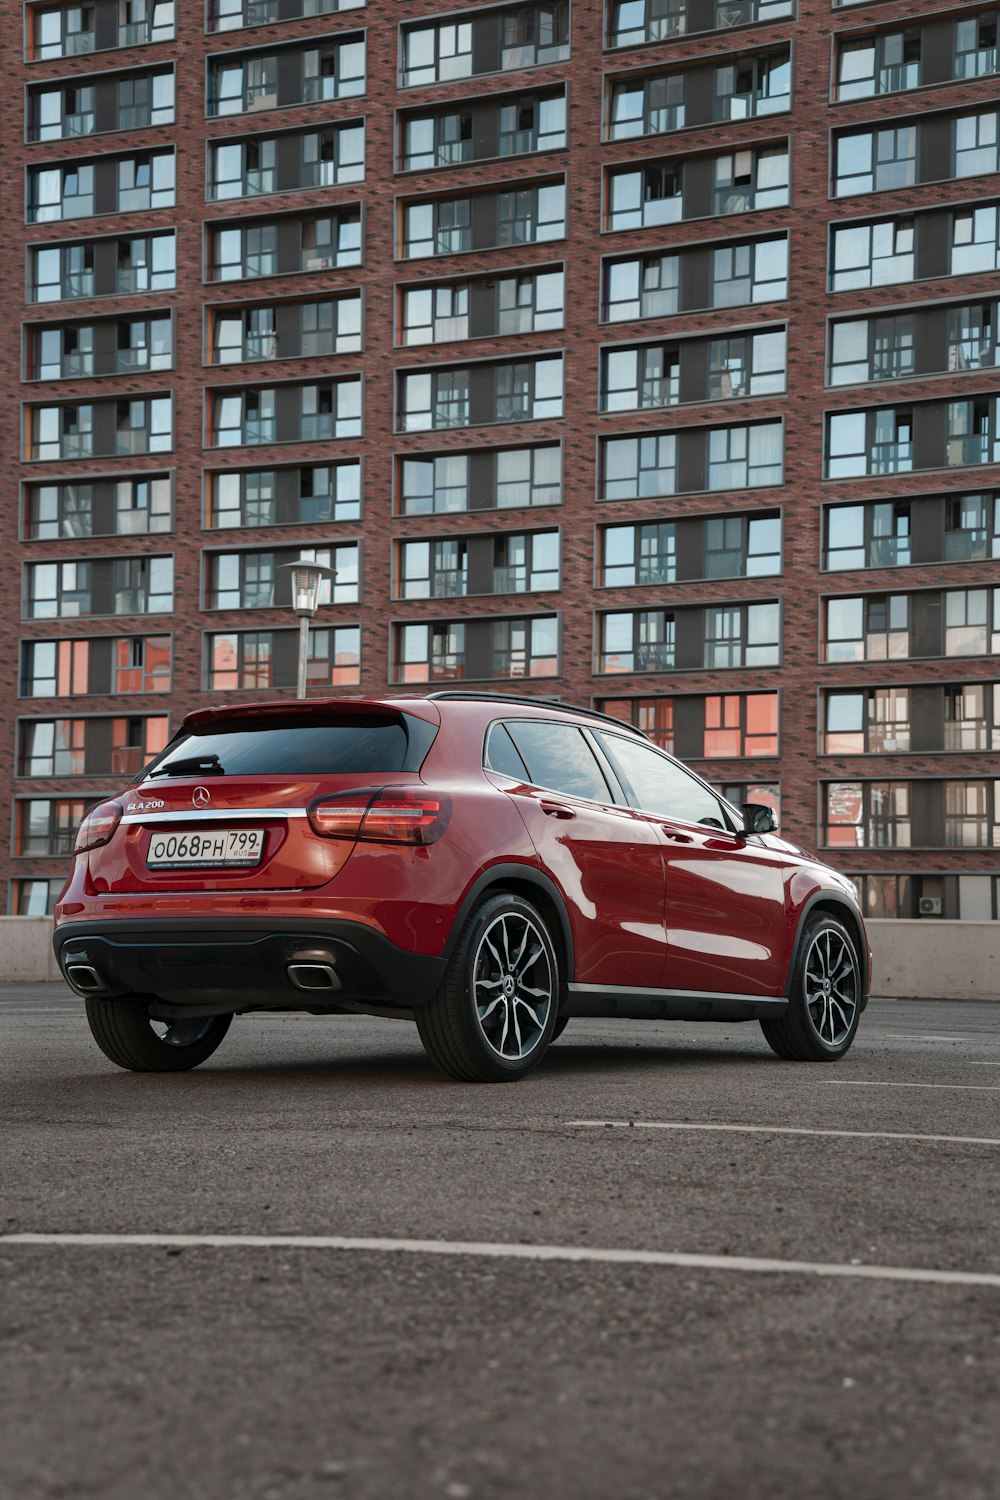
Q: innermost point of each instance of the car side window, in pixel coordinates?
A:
(559, 759)
(502, 755)
(660, 786)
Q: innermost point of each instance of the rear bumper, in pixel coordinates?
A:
(244, 965)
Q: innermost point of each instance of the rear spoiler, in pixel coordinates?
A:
(234, 716)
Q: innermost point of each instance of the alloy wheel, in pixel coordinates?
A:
(832, 986)
(512, 985)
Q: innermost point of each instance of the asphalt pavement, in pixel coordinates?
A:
(808, 1304)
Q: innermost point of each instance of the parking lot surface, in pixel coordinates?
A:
(719, 1358)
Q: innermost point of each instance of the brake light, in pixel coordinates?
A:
(98, 826)
(382, 816)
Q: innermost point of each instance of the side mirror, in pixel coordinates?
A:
(759, 818)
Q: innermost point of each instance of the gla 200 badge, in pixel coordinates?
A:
(143, 806)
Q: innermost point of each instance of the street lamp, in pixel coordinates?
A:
(306, 579)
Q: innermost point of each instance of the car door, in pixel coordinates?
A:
(606, 858)
(724, 893)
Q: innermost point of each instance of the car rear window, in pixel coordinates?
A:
(360, 746)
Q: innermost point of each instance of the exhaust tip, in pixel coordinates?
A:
(84, 978)
(313, 976)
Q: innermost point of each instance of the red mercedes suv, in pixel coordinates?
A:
(486, 865)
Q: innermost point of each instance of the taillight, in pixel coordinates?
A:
(98, 826)
(382, 815)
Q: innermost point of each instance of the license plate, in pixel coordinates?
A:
(222, 848)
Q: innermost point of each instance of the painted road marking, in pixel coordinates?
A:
(495, 1251)
(883, 1083)
(858, 1135)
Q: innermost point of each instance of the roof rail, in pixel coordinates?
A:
(461, 694)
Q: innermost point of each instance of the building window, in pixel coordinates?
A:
(333, 156)
(146, 181)
(62, 112)
(754, 86)
(528, 216)
(883, 64)
(867, 349)
(742, 546)
(875, 160)
(868, 627)
(143, 585)
(739, 725)
(643, 555)
(747, 364)
(654, 716)
(47, 828)
(869, 442)
(976, 46)
(977, 149)
(146, 99)
(65, 192)
(233, 15)
(867, 815)
(966, 716)
(646, 196)
(527, 563)
(975, 240)
(635, 468)
(250, 580)
(143, 21)
(35, 898)
(243, 169)
(145, 425)
(525, 648)
(743, 635)
(61, 31)
(268, 497)
(966, 622)
(647, 376)
(756, 271)
(745, 457)
(866, 255)
(62, 432)
(874, 722)
(640, 641)
(266, 659)
(646, 287)
(750, 180)
(967, 818)
(867, 536)
(646, 106)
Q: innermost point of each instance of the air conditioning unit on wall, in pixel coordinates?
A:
(930, 906)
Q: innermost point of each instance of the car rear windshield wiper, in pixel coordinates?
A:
(191, 765)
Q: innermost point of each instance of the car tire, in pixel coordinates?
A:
(126, 1035)
(495, 1012)
(824, 997)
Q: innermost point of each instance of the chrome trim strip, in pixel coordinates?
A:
(646, 994)
(226, 813)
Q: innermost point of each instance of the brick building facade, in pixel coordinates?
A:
(642, 353)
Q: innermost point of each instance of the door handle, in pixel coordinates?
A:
(557, 810)
(678, 838)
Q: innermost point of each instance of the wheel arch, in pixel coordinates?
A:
(830, 902)
(533, 886)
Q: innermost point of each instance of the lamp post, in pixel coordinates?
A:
(306, 579)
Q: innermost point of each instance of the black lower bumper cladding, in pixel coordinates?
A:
(245, 965)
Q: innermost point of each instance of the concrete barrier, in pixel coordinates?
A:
(936, 960)
(26, 955)
(923, 960)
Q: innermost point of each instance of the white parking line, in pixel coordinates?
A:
(857, 1135)
(884, 1083)
(924, 1036)
(493, 1251)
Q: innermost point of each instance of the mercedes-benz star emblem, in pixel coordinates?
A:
(201, 796)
